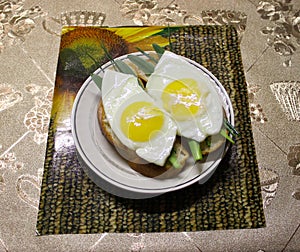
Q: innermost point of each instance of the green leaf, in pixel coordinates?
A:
(224, 134)
(120, 65)
(169, 37)
(148, 56)
(145, 66)
(123, 67)
(230, 128)
(107, 54)
(97, 79)
(158, 49)
(208, 141)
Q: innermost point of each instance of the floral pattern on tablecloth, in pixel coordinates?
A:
(154, 13)
(9, 96)
(37, 119)
(16, 22)
(283, 34)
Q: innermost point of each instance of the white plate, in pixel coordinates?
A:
(108, 170)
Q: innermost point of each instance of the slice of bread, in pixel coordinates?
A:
(180, 147)
(134, 161)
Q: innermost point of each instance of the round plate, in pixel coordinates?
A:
(111, 172)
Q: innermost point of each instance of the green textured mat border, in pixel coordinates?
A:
(71, 203)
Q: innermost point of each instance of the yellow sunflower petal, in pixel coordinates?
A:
(66, 29)
(134, 34)
(146, 44)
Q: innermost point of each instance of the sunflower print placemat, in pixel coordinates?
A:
(70, 203)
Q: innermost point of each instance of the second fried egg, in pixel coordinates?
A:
(188, 95)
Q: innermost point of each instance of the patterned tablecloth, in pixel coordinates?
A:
(50, 194)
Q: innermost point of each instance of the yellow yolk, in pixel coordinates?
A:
(181, 98)
(141, 120)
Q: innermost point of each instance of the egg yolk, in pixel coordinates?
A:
(181, 98)
(140, 121)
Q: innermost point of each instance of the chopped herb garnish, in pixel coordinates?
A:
(169, 37)
(223, 132)
(97, 79)
(195, 149)
(208, 141)
(145, 66)
(124, 68)
(148, 56)
(107, 54)
(174, 161)
(230, 128)
(158, 49)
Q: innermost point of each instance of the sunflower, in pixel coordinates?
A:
(81, 53)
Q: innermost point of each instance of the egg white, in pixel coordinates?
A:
(118, 92)
(209, 119)
(117, 88)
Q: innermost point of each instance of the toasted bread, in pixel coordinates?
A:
(134, 161)
(211, 144)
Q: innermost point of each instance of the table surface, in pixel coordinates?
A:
(29, 46)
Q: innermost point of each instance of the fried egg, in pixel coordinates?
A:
(135, 119)
(188, 95)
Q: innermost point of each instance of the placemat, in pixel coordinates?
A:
(71, 203)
